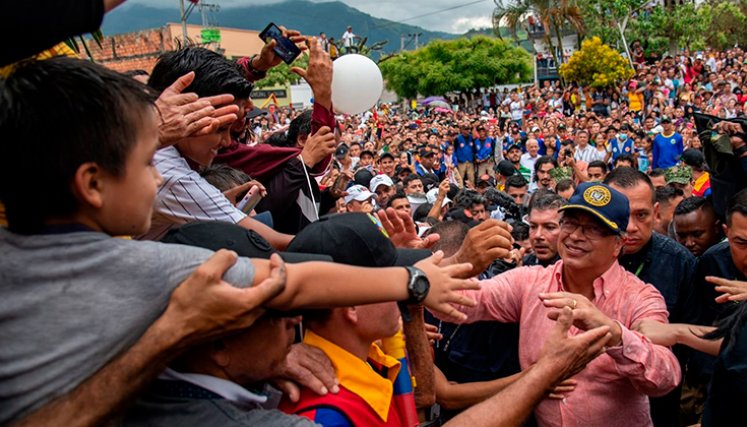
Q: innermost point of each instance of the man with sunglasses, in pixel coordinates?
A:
(601, 294)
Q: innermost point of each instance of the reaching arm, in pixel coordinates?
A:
(278, 240)
(200, 308)
(419, 353)
(458, 396)
(561, 357)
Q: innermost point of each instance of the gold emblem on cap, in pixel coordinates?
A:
(597, 196)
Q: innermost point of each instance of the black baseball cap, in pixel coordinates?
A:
(363, 177)
(693, 158)
(505, 168)
(354, 239)
(216, 235)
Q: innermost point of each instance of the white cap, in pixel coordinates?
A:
(380, 180)
(431, 196)
(358, 193)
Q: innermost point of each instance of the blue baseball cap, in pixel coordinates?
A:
(610, 206)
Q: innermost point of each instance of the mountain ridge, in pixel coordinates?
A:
(305, 16)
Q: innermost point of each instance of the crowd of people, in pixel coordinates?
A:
(545, 256)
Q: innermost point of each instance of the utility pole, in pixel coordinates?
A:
(401, 42)
(416, 40)
(184, 21)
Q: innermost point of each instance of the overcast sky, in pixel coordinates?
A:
(457, 20)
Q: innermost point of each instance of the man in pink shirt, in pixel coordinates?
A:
(613, 389)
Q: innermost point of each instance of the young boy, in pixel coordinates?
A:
(74, 301)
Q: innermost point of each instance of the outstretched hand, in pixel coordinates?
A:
(186, 114)
(733, 290)
(485, 243)
(445, 286)
(402, 232)
(318, 74)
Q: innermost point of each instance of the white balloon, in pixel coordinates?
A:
(356, 84)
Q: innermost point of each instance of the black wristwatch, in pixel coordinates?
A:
(417, 287)
(741, 150)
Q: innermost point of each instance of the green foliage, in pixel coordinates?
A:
(596, 64)
(693, 25)
(282, 75)
(554, 16)
(456, 65)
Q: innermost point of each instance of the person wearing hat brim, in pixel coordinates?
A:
(588, 280)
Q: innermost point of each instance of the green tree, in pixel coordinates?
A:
(282, 75)
(456, 65)
(597, 65)
(554, 15)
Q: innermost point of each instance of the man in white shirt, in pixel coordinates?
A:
(529, 158)
(348, 39)
(584, 151)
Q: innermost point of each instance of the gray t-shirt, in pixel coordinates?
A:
(70, 303)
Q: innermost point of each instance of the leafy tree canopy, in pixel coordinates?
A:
(456, 65)
(596, 64)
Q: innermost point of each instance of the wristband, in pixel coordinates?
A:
(258, 74)
(740, 151)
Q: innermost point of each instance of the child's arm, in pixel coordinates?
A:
(201, 308)
(323, 284)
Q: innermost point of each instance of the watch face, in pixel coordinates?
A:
(420, 287)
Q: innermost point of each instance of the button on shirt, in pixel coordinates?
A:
(184, 196)
(612, 390)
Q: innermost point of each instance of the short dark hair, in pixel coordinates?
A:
(668, 193)
(520, 231)
(214, 74)
(626, 177)
(515, 181)
(398, 195)
(135, 73)
(626, 158)
(224, 177)
(412, 177)
(300, 126)
(738, 204)
(565, 184)
(598, 164)
(655, 173)
(61, 113)
(544, 199)
(692, 204)
(452, 235)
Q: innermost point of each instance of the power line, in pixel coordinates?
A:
(429, 14)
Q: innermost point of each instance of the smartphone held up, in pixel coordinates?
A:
(284, 47)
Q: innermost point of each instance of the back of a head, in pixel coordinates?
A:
(626, 177)
(543, 200)
(299, 127)
(59, 114)
(214, 74)
(224, 177)
(452, 234)
(667, 193)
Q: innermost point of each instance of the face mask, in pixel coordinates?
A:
(622, 137)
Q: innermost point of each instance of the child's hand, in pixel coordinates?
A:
(445, 286)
